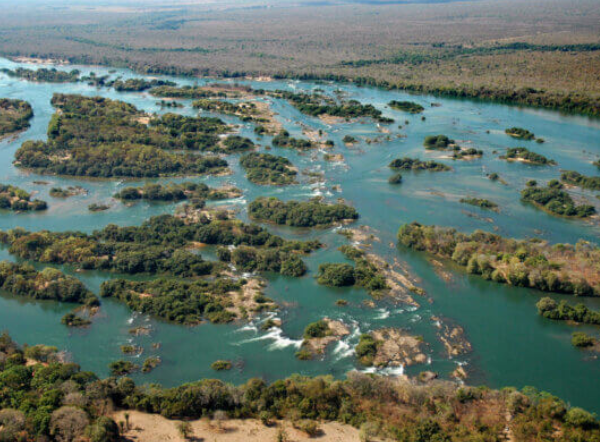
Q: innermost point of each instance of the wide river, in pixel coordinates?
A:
(512, 345)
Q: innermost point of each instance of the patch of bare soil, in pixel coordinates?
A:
(144, 427)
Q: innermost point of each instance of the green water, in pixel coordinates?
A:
(511, 344)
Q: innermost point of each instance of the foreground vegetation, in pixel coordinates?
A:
(94, 136)
(14, 116)
(561, 268)
(300, 213)
(66, 404)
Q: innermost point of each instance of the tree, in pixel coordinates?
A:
(185, 430)
(68, 424)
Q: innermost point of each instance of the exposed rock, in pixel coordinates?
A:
(396, 347)
(337, 330)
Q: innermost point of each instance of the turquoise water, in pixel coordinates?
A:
(511, 344)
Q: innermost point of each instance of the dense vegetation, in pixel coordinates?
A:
(366, 349)
(138, 84)
(15, 198)
(14, 116)
(562, 311)
(65, 404)
(49, 284)
(520, 133)
(198, 92)
(158, 246)
(438, 142)
(283, 139)
(300, 213)
(336, 275)
(317, 105)
(480, 202)
(44, 75)
(525, 155)
(406, 163)
(264, 168)
(406, 106)
(525, 263)
(195, 192)
(577, 179)
(94, 136)
(555, 200)
(467, 153)
(183, 302)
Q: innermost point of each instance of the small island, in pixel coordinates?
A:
(562, 311)
(406, 106)
(480, 202)
(526, 156)
(389, 347)
(576, 179)
(59, 192)
(14, 116)
(264, 168)
(406, 163)
(554, 200)
(319, 335)
(520, 133)
(284, 140)
(43, 75)
(18, 200)
(312, 213)
(440, 142)
(173, 192)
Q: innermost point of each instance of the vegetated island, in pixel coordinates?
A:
(480, 202)
(576, 179)
(364, 273)
(526, 156)
(213, 90)
(415, 164)
(284, 140)
(406, 106)
(173, 192)
(59, 192)
(161, 246)
(19, 200)
(554, 200)
(14, 116)
(439, 142)
(48, 284)
(563, 311)
(319, 335)
(320, 105)
(520, 133)
(264, 168)
(137, 84)
(94, 136)
(43, 75)
(35, 370)
(257, 112)
(313, 213)
(561, 268)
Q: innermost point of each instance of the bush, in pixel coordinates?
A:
(581, 339)
(336, 275)
(221, 365)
